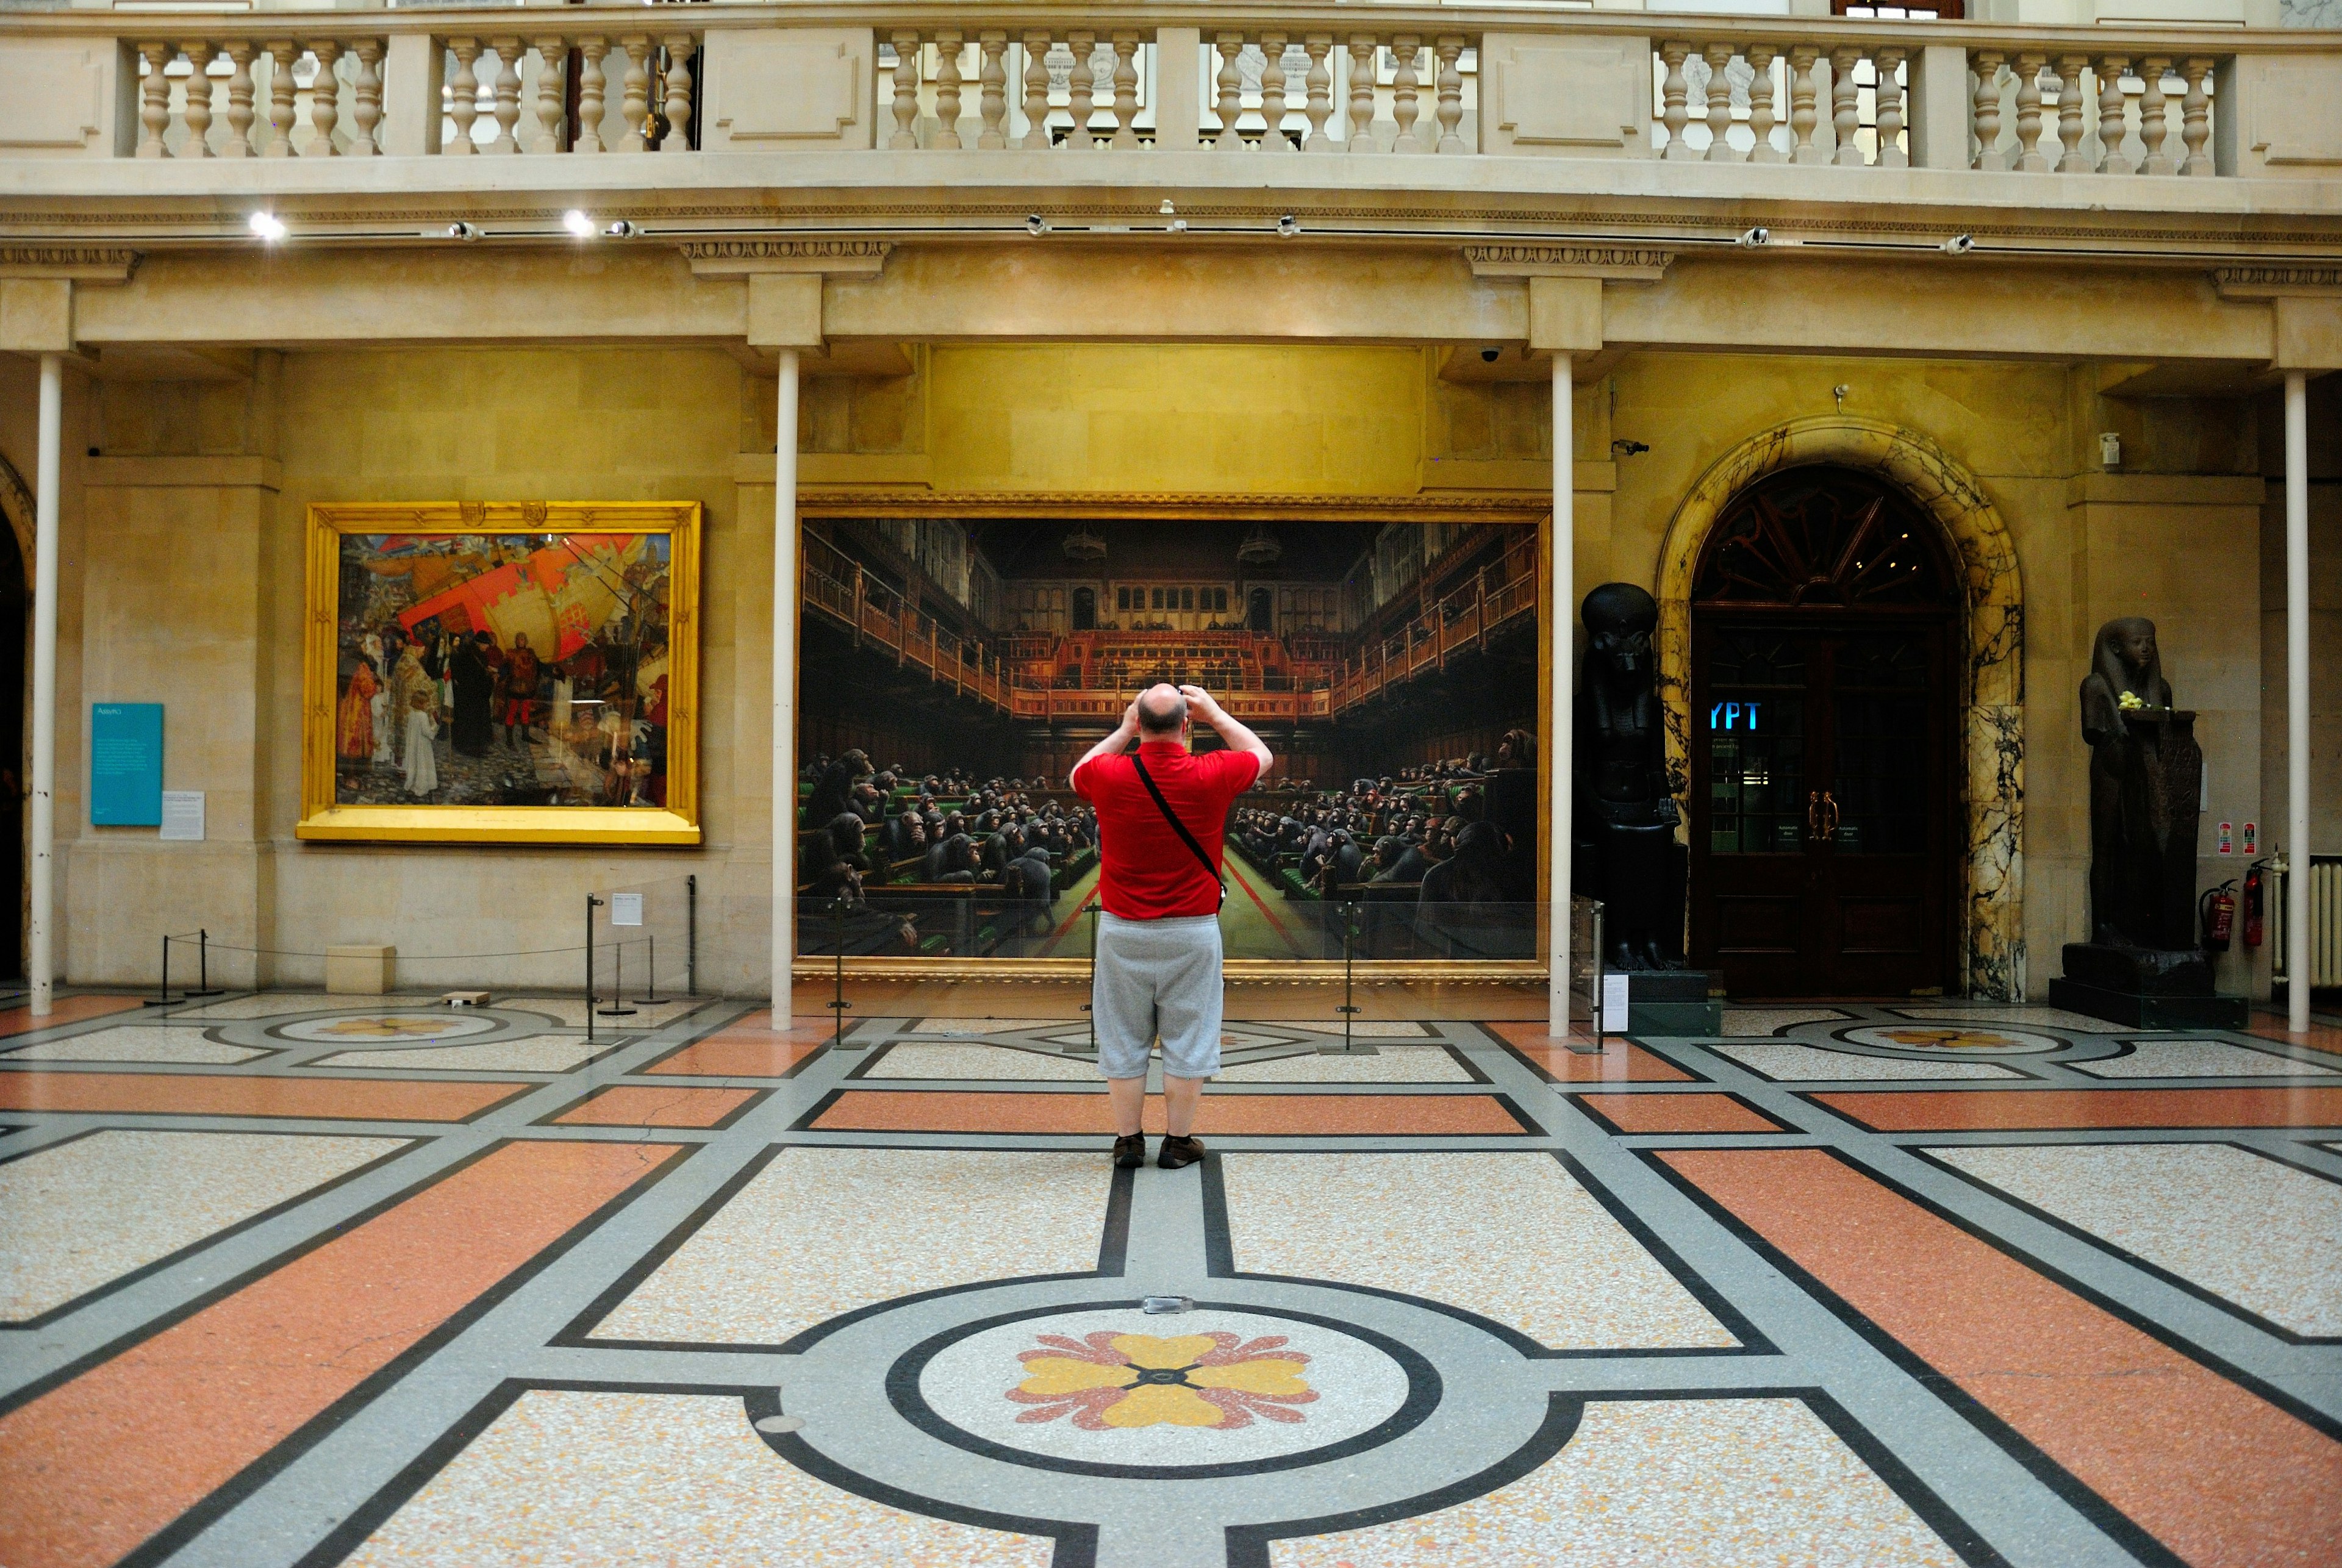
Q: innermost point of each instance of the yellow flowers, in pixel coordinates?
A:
(385, 1028)
(1949, 1039)
(1108, 1380)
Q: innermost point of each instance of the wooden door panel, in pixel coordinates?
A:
(1749, 924)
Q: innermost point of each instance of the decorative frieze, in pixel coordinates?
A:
(2265, 282)
(1620, 263)
(739, 258)
(81, 264)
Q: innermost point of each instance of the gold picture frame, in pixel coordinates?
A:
(326, 815)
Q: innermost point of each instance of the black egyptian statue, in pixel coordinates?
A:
(2145, 770)
(1625, 821)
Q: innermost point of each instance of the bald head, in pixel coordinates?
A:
(1162, 710)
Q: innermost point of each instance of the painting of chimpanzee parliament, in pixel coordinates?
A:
(954, 668)
(502, 671)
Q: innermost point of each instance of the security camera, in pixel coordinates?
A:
(1488, 355)
(1287, 226)
(1751, 238)
(1035, 224)
(622, 230)
(1629, 448)
(465, 232)
(1166, 209)
(1959, 244)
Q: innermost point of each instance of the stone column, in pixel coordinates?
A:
(43, 960)
(785, 597)
(2297, 697)
(1561, 604)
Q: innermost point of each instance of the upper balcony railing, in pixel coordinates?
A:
(1310, 78)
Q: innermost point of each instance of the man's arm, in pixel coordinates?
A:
(1239, 737)
(1110, 746)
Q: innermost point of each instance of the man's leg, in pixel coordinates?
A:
(1129, 1097)
(1179, 1097)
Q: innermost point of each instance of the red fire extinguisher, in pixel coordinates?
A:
(2254, 897)
(2217, 908)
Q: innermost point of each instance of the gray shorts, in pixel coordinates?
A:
(1158, 977)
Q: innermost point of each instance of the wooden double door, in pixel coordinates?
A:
(1823, 800)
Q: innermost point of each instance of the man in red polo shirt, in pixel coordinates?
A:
(1157, 969)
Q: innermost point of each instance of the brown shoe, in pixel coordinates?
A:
(1179, 1153)
(1130, 1151)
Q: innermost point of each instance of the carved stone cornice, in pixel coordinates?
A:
(739, 258)
(81, 264)
(2270, 282)
(1616, 264)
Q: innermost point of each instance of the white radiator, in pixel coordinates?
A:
(2324, 921)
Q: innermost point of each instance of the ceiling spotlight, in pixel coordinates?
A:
(267, 226)
(577, 223)
(1959, 244)
(1490, 355)
(1166, 209)
(1287, 226)
(1035, 224)
(622, 230)
(465, 232)
(1751, 238)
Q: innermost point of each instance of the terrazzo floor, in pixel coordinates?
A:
(290, 1281)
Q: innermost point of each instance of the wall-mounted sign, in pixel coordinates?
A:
(1741, 716)
(2252, 837)
(2227, 839)
(126, 765)
(183, 815)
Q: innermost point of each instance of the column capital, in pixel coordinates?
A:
(749, 258)
(1565, 315)
(77, 264)
(1613, 262)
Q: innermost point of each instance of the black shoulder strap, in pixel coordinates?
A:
(1180, 827)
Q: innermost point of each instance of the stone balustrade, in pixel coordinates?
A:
(1357, 79)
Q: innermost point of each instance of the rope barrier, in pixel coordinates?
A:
(424, 957)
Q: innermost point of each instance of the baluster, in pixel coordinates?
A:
(463, 96)
(239, 101)
(1984, 110)
(1720, 104)
(1365, 66)
(679, 49)
(506, 105)
(1891, 154)
(1081, 89)
(198, 114)
(947, 53)
(1451, 95)
(1320, 85)
(366, 95)
(1230, 99)
(2070, 114)
(154, 100)
(1763, 105)
(1125, 90)
(1846, 106)
(2154, 118)
(991, 77)
(325, 102)
(1673, 90)
(591, 85)
(1405, 109)
(2196, 118)
(2112, 112)
(552, 102)
(635, 106)
(2029, 156)
(1805, 88)
(1275, 100)
(906, 92)
(1036, 92)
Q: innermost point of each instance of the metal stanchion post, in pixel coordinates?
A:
(163, 998)
(1349, 947)
(592, 903)
(691, 936)
(617, 1007)
(649, 998)
(204, 986)
(839, 1005)
(1600, 1018)
(1088, 1008)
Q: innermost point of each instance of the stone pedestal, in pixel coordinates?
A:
(356, 969)
(2145, 988)
(1673, 1002)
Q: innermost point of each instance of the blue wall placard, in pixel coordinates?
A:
(126, 765)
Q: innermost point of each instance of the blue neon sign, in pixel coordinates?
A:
(1734, 716)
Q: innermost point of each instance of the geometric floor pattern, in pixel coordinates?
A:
(287, 1280)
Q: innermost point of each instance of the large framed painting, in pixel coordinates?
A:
(519, 671)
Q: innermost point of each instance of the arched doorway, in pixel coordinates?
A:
(1825, 699)
(1084, 609)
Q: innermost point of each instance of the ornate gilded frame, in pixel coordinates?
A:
(677, 823)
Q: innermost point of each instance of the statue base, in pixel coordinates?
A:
(1673, 1003)
(2145, 988)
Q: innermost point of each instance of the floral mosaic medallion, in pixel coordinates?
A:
(387, 1028)
(1113, 1390)
(1952, 1039)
